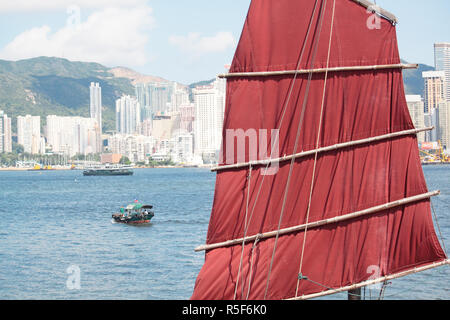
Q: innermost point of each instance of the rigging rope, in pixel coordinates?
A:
(439, 228)
(317, 146)
(299, 127)
(249, 178)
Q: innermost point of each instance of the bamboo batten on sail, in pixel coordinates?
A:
(320, 70)
(324, 149)
(316, 224)
(345, 193)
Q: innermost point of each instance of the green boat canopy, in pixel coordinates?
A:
(137, 206)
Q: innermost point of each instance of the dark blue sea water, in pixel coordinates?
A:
(54, 224)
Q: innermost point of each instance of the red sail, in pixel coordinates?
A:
(357, 104)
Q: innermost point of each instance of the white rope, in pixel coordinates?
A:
(317, 146)
(251, 265)
(249, 177)
(295, 148)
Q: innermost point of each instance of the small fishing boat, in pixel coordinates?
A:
(136, 213)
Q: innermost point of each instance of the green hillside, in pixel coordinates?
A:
(413, 80)
(43, 86)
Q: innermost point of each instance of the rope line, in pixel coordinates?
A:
(249, 177)
(251, 265)
(439, 228)
(317, 146)
(299, 127)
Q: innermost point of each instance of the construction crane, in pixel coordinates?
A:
(437, 157)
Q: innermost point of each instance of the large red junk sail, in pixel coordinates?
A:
(357, 94)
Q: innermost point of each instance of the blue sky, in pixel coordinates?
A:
(184, 41)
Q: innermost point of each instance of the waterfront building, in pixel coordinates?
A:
(442, 63)
(187, 117)
(5, 133)
(416, 110)
(183, 148)
(165, 125)
(29, 134)
(180, 97)
(135, 147)
(128, 115)
(434, 92)
(73, 135)
(444, 124)
(209, 104)
(431, 119)
(154, 97)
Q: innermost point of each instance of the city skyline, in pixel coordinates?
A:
(181, 42)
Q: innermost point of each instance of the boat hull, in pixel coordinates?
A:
(108, 173)
(134, 220)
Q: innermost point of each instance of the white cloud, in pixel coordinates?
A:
(112, 36)
(198, 45)
(46, 5)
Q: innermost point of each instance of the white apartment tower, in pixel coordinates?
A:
(416, 107)
(5, 133)
(29, 133)
(209, 112)
(442, 63)
(72, 135)
(128, 115)
(434, 89)
(444, 124)
(96, 104)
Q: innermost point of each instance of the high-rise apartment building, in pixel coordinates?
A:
(209, 104)
(128, 115)
(442, 63)
(96, 111)
(96, 104)
(416, 110)
(434, 89)
(444, 124)
(187, 117)
(135, 147)
(72, 135)
(154, 97)
(5, 133)
(29, 134)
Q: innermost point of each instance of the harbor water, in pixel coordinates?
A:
(57, 239)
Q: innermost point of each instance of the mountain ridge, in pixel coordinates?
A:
(48, 85)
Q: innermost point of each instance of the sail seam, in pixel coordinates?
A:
(323, 149)
(319, 70)
(320, 223)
